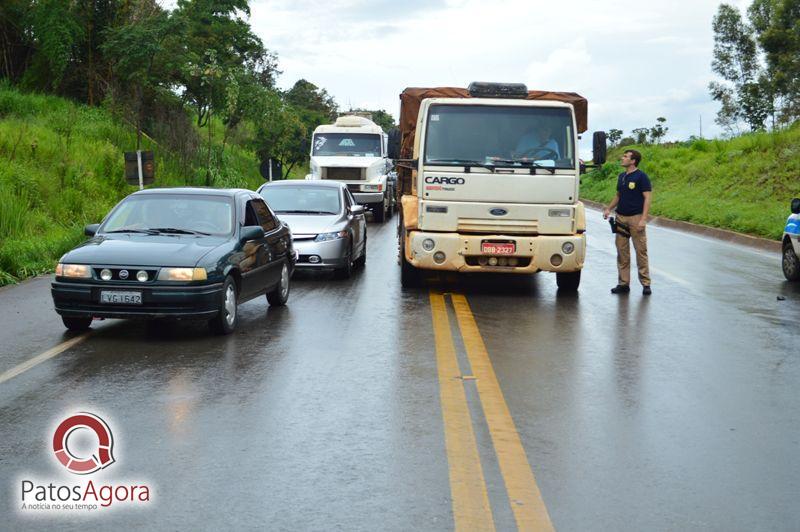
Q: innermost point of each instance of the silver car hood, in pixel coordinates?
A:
(313, 224)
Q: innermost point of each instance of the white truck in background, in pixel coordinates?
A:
(353, 150)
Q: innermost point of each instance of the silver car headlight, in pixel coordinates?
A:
(325, 237)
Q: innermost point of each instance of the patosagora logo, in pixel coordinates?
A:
(102, 458)
(83, 444)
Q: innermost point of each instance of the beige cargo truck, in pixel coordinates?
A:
(488, 181)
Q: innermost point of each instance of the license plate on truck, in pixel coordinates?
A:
(120, 298)
(498, 248)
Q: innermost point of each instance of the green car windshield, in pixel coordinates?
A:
(179, 214)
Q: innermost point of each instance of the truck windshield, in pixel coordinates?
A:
(347, 145)
(499, 136)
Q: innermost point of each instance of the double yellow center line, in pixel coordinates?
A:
(471, 508)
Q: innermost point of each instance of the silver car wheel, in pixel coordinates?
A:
(230, 305)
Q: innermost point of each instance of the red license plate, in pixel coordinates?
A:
(498, 248)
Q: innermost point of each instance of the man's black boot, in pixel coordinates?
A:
(646, 290)
(621, 289)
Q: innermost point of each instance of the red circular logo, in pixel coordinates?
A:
(101, 458)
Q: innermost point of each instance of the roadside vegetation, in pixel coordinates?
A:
(61, 167)
(83, 82)
(743, 184)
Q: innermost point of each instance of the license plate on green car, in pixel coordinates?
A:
(115, 297)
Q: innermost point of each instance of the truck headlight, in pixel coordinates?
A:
(567, 247)
(182, 274)
(325, 237)
(81, 271)
(428, 244)
(372, 188)
(559, 213)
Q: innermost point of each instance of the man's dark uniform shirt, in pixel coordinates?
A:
(630, 188)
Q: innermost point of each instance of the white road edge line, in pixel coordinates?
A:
(38, 359)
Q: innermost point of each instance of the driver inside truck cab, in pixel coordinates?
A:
(538, 143)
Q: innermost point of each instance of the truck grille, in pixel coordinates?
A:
(477, 225)
(343, 174)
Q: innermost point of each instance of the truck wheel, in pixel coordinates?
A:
(390, 207)
(568, 281)
(790, 262)
(280, 294)
(410, 277)
(76, 324)
(227, 318)
(379, 212)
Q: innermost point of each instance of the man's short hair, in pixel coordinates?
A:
(635, 155)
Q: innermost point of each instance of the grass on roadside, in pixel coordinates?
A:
(61, 167)
(744, 184)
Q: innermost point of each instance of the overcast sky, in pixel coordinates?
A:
(633, 61)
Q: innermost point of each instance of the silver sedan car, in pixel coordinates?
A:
(329, 230)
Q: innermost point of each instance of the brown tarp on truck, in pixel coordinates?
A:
(411, 98)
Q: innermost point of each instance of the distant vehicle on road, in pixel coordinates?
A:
(176, 253)
(791, 243)
(328, 226)
(353, 150)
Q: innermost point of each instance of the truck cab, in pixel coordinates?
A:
(494, 184)
(353, 151)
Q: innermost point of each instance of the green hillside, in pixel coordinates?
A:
(744, 184)
(61, 167)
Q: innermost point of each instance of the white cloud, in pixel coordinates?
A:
(633, 62)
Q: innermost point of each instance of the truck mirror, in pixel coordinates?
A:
(599, 147)
(394, 143)
(796, 205)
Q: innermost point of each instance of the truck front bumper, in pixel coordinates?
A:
(463, 253)
(364, 198)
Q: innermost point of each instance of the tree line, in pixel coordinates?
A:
(758, 60)
(162, 70)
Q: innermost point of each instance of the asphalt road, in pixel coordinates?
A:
(477, 403)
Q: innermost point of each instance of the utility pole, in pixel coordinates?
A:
(701, 126)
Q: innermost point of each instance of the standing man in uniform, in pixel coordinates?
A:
(632, 203)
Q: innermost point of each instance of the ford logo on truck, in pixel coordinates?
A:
(445, 180)
(498, 212)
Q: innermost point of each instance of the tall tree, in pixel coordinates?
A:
(218, 41)
(143, 52)
(736, 62)
(614, 136)
(658, 131)
(777, 26)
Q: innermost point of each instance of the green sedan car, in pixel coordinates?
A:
(187, 253)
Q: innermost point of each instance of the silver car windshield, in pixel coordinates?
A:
(177, 214)
(499, 136)
(347, 145)
(302, 199)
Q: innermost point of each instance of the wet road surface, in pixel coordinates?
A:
(486, 402)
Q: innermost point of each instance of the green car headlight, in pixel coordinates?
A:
(182, 274)
(81, 271)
